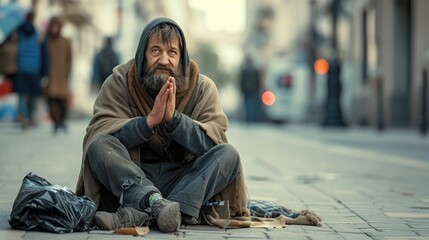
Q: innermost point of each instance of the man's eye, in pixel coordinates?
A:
(155, 51)
(173, 53)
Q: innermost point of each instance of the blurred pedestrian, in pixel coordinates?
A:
(59, 65)
(105, 60)
(250, 86)
(26, 82)
(155, 150)
(8, 56)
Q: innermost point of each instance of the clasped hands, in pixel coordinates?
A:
(164, 105)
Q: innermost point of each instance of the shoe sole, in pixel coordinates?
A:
(104, 221)
(169, 219)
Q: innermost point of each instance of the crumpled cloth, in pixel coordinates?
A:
(268, 209)
(263, 214)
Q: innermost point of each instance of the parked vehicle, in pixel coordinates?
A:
(287, 81)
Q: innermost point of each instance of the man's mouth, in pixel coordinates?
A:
(164, 70)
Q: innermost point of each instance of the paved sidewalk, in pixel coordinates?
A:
(382, 203)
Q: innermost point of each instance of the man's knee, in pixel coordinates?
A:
(98, 148)
(98, 144)
(228, 158)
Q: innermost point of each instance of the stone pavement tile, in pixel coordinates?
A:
(100, 232)
(390, 225)
(393, 233)
(153, 234)
(297, 229)
(11, 235)
(344, 227)
(246, 233)
(369, 231)
(416, 220)
(406, 238)
(407, 214)
(418, 225)
(375, 217)
(329, 208)
(307, 229)
(202, 228)
(286, 235)
(324, 236)
(338, 218)
(4, 220)
(326, 215)
(422, 232)
(416, 205)
(353, 236)
(121, 237)
(29, 235)
(205, 234)
(348, 224)
(394, 207)
(192, 232)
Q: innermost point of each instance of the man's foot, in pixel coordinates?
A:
(167, 215)
(189, 220)
(125, 217)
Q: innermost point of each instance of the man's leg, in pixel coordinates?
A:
(112, 166)
(208, 175)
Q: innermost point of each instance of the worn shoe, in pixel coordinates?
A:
(125, 217)
(189, 220)
(167, 215)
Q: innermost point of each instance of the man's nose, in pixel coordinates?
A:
(163, 59)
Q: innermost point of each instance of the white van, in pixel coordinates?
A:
(289, 80)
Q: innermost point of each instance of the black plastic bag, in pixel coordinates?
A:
(41, 206)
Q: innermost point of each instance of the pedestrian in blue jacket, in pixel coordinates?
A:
(27, 79)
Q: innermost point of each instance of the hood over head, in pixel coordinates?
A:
(27, 27)
(141, 49)
(52, 21)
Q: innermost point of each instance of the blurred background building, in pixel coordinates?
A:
(381, 46)
(377, 51)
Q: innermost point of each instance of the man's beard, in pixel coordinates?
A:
(154, 81)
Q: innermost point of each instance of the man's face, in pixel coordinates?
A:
(162, 61)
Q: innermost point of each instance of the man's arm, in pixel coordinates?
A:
(184, 131)
(134, 132)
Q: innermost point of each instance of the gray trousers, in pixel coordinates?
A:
(190, 184)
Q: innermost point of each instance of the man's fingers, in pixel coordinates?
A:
(171, 102)
(173, 80)
(164, 88)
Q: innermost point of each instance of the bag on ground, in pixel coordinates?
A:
(41, 206)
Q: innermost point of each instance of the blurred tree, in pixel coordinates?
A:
(209, 64)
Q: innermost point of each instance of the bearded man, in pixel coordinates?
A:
(155, 150)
